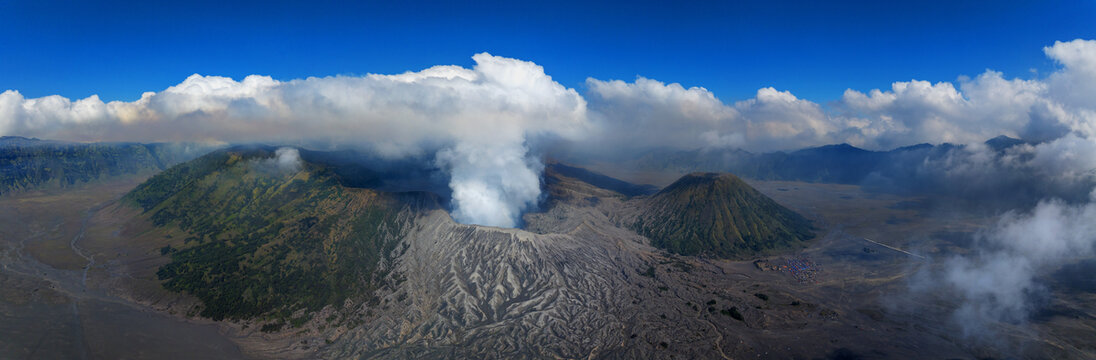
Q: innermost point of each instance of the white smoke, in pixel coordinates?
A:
(479, 121)
(494, 183)
(286, 160)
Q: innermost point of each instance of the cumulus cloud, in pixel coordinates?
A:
(648, 113)
(985, 106)
(968, 111)
(777, 120)
(922, 112)
(1075, 83)
(478, 120)
(656, 114)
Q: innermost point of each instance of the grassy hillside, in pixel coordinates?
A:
(31, 163)
(264, 240)
(719, 215)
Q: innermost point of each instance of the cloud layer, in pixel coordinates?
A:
(479, 124)
(910, 112)
(478, 120)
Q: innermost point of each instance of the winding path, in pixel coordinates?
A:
(80, 235)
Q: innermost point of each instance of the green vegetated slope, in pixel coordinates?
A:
(267, 241)
(719, 215)
(31, 163)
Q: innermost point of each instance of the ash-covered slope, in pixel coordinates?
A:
(579, 284)
(579, 287)
(719, 215)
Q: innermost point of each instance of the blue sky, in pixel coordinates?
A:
(814, 49)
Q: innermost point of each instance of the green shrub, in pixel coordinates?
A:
(733, 313)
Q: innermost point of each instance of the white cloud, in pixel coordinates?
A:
(1070, 159)
(481, 118)
(777, 120)
(919, 112)
(485, 119)
(983, 107)
(909, 112)
(1077, 56)
(998, 282)
(648, 113)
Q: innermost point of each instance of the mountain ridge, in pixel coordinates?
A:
(28, 164)
(269, 242)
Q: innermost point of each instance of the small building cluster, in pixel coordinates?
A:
(802, 268)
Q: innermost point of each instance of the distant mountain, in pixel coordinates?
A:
(32, 163)
(1003, 142)
(839, 163)
(719, 215)
(19, 141)
(265, 240)
(601, 181)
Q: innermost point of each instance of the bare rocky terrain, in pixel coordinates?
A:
(580, 284)
(53, 307)
(575, 282)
